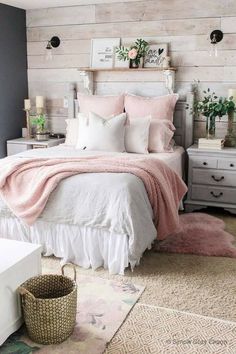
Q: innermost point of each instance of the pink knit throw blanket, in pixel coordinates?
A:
(26, 184)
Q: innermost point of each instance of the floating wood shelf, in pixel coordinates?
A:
(126, 69)
(88, 75)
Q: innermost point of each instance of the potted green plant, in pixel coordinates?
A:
(40, 122)
(212, 106)
(135, 53)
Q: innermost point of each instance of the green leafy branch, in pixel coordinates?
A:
(213, 106)
(39, 121)
(140, 45)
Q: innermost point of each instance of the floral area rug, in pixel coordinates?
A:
(103, 305)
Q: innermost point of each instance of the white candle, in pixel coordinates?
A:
(232, 92)
(27, 104)
(39, 102)
(24, 132)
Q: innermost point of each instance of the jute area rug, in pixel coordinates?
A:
(151, 329)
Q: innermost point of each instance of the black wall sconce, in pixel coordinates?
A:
(216, 36)
(53, 43)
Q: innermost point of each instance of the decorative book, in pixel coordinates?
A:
(214, 144)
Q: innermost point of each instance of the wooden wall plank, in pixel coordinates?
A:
(202, 58)
(146, 28)
(190, 74)
(60, 16)
(59, 61)
(79, 46)
(228, 24)
(61, 3)
(54, 75)
(150, 10)
(186, 43)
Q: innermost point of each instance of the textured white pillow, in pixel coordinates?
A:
(72, 129)
(137, 135)
(97, 133)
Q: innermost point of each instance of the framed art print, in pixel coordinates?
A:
(103, 52)
(155, 55)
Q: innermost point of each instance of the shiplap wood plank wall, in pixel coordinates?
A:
(183, 24)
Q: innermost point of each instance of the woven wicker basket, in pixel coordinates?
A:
(49, 305)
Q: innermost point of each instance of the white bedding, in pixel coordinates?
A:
(106, 215)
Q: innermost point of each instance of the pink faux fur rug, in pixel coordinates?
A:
(200, 234)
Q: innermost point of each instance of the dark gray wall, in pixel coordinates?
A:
(13, 73)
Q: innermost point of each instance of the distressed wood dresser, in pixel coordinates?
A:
(211, 179)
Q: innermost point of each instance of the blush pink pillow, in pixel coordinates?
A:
(104, 106)
(160, 107)
(160, 136)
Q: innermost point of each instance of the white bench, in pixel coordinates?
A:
(18, 262)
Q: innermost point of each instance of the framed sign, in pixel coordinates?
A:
(103, 52)
(120, 63)
(155, 55)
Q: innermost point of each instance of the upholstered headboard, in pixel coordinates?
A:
(183, 122)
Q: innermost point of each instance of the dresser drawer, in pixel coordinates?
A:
(227, 164)
(214, 177)
(214, 194)
(204, 162)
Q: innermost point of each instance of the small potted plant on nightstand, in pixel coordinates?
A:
(40, 122)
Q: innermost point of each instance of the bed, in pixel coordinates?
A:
(108, 220)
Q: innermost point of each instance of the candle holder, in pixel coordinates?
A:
(230, 138)
(39, 110)
(28, 126)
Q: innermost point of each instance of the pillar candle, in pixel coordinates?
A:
(27, 103)
(39, 102)
(232, 92)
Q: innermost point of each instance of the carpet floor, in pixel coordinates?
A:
(196, 284)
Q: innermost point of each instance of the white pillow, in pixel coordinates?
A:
(137, 135)
(97, 133)
(72, 129)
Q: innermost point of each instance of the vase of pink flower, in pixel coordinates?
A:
(135, 53)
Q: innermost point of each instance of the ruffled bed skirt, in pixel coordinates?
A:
(84, 246)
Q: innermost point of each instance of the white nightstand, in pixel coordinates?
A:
(22, 144)
(211, 178)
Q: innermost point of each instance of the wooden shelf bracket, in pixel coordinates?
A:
(87, 77)
(169, 80)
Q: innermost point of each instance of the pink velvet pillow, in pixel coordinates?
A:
(160, 136)
(104, 106)
(160, 107)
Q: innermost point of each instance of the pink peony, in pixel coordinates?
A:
(132, 54)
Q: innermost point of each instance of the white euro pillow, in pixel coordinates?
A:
(137, 135)
(97, 133)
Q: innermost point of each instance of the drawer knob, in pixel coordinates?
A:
(231, 165)
(217, 195)
(217, 179)
(205, 163)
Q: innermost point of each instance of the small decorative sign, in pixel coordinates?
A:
(155, 55)
(103, 52)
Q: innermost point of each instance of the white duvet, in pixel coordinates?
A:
(114, 202)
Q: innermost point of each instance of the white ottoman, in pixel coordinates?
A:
(18, 262)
